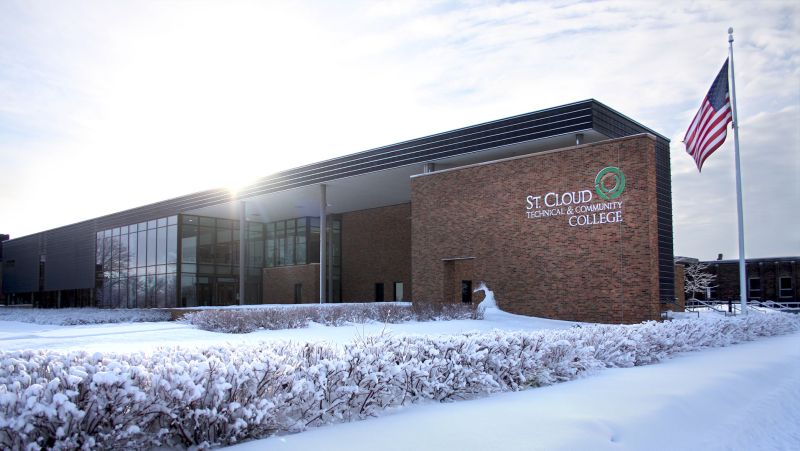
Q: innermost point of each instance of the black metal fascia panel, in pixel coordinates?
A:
(614, 124)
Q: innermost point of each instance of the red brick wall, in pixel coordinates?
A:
(543, 267)
(680, 294)
(376, 247)
(770, 272)
(279, 283)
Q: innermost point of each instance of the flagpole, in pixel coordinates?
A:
(742, 268)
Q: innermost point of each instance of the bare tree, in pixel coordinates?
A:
(112, 258)
(697, 279)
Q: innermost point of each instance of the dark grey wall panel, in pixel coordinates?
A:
(70, 258)
(666, 261)
(23, 276)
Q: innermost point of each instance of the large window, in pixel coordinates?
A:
(210, 261)
(296, 242)
(786, 287)
(754, 285)
(286, 242)
(137, 264)
(158, 263)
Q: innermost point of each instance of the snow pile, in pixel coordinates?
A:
(275, 317)
(222, 395)
(86, 315)
(488, 299)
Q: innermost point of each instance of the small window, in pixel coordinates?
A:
(398, 291)
(786, 287)
(755, 288)
(378, 292)
(466, 291)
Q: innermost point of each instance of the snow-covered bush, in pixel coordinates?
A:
(439, 311)
(225, 394)
(244, 320)
(85, 315)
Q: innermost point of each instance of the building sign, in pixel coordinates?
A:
(582, 208)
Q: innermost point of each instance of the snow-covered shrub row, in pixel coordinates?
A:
(438, 311)
(244, 320)
(222, 395)
(85, 315)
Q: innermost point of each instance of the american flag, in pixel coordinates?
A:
(709, 127)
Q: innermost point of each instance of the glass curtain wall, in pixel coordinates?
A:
(136, 265)
(210, 261)
(287, 242)
(296, 242)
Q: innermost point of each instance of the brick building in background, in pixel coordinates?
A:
(564, 213)
(774, 279)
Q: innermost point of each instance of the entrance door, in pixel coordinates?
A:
(226, 291)
(466, 291)
(379, 292)
(458, 275)
(204, 291)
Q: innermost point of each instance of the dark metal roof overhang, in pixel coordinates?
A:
(539, 127)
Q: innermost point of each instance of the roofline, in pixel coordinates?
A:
(534, 155)
(755, 260)
(649, 130)
(572, 118)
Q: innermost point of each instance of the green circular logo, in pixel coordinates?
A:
(601, 183)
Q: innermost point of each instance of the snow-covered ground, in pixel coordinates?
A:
(130, 337)
(745, 396)
(742, 397)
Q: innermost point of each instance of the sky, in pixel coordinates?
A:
(106, 106)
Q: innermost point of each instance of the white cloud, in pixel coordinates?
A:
(106, 106)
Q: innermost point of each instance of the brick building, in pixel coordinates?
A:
(768, 279)
(564, 213)
(594, 256)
